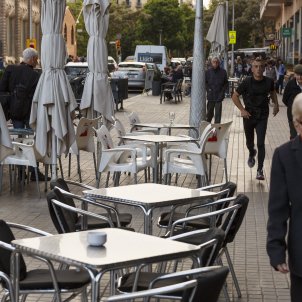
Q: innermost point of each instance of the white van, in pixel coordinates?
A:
(152, 54)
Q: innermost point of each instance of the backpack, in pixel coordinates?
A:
(19, 103)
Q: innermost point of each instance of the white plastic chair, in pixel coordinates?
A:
(24, 155)
(84, 142)
(192, 162)
(133, 118)
(119, 159)
(218, 145)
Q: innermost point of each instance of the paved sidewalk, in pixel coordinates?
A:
(257, 280)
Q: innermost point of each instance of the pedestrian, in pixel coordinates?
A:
(21, 81)
(271, 71)
(21, 77)
(284, 207)
(216, 86)
(256, 91)
(280, 76)
(292, 88)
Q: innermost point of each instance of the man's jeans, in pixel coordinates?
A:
(250, 125)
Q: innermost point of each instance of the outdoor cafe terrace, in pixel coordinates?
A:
(258, 281)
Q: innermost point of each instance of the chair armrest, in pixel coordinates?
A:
(85, 201)
(170, 152)
(28, 229)
(82, 212)
(81, 185)
(183, 221)
(211, 187)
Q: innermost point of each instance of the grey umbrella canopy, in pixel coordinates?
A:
(97, 95)
(217, 33)
(53, 102)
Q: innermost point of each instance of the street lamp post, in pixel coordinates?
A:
(30, 17)
(233, 28)
(198, 95)
(160, 33)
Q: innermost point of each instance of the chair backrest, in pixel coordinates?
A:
(104, 137)
(120, 129)
(218, 143)
(202, 126)
(133, 118)
(7, 236)
(85, 134)
(187, 287)
(204, 137)
(243, 201)
(208, 254)
(64, 221)
(210, 281)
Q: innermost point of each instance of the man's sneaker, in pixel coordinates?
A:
(260, 175)
(251, 161)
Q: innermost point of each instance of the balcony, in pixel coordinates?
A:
(270, 9)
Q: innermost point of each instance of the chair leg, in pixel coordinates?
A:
(10, 178)
(107, 180)
(37, 181)
(226, 170)
(210, 167)
(94, 162)
(79, 167)
(146, 178)
(135, 178)
(69, 164)
(61, 167)
(231, 267)
(1, 177)
(98, 179)
(46, 175)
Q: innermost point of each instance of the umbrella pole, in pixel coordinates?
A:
(54, 174)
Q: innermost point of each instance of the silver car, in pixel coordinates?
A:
(135, 72)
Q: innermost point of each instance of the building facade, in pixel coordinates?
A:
(15, 29)
(287, 16)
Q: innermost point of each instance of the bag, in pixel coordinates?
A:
(19, 103)
(5, 98)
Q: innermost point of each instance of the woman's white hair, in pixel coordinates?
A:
(297, 107)
(29, 53)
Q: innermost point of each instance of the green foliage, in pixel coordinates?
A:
(250, 29)
(82, 35)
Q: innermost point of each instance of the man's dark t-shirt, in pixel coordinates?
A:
(256, 96)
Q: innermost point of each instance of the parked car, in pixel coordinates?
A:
(129, 59)
(76, 74)
(135, 72)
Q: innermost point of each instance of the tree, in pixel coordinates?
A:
(81, 33)
(165, 17)
(250, 29)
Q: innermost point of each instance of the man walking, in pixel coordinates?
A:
(292, 88)
(216, 87)
(21, 82)
(256, 91)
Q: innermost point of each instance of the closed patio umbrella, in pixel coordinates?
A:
(217, 33)
(6, 147)
(53, 102)
(97, 95)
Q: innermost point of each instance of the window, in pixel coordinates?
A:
(65, 33)
(72, 35)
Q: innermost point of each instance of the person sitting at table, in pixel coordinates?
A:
(176, 74)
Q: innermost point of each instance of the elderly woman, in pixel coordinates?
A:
(285, 205)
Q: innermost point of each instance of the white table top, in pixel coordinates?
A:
(123, 248)
(158, 138)
(164, 125)
(149, 194)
